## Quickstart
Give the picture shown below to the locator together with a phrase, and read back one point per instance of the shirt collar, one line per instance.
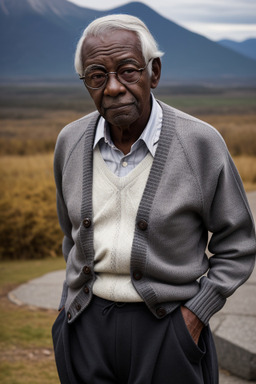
(149, 136)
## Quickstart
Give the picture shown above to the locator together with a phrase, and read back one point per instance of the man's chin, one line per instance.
(120, 117)
(121, 121)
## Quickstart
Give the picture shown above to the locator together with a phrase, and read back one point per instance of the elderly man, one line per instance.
(139, 185)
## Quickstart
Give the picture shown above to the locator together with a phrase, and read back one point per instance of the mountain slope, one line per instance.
(189, 55)
(38, 38)
(246, 47)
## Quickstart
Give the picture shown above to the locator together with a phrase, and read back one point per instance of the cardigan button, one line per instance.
(87, 222)
(86, 289)
(137, 275)
(161, 312)
(78, 307)
(69, 316)
(143, 225)
(86, 270)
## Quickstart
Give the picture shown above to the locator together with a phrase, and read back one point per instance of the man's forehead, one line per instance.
(120, 62)
(114, 35)
(111, 43)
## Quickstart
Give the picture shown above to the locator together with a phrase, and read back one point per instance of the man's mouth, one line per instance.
(117, 106)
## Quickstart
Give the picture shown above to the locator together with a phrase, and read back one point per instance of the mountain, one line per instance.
(38, 39)
(246, 47)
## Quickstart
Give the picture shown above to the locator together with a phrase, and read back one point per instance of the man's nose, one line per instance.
(113, 86)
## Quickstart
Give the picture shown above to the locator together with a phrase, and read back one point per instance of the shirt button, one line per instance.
(142, 224)
(69, 316)
(87, 222)
(86, 270)
(161, 312)
(124, 164)
(86, 289)
(137, 275)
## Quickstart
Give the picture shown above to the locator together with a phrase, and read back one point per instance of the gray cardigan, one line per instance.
(193, 188)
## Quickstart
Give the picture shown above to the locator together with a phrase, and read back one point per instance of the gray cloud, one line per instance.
(237, 18)
(240, 12)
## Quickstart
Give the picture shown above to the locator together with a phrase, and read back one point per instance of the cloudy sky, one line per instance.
(215, 19)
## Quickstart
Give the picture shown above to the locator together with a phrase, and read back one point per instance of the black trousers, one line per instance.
(114, 343)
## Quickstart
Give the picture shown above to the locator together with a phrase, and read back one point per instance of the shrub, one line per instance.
(29, 227)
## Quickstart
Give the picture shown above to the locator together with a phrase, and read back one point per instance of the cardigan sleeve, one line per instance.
(228, 217)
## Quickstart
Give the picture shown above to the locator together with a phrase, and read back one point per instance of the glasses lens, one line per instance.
(128, 75)
(95, 78)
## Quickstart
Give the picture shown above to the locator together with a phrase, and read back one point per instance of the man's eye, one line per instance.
(127, 71)
(97, 76)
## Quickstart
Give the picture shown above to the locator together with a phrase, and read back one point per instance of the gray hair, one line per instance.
(101, 25)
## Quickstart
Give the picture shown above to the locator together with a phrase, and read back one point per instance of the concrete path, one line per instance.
(234, 327)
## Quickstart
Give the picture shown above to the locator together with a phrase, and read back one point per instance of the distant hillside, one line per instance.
(38, 39)
(246, 47)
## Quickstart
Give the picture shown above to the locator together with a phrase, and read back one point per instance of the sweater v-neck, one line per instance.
(167, 131)
(120, 182)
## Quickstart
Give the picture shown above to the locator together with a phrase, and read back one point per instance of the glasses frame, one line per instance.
(140, 70)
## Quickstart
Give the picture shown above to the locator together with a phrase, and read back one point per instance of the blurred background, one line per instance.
(209, 71)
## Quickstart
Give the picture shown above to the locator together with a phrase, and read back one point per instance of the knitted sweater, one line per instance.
(115, 204)
(193, 187)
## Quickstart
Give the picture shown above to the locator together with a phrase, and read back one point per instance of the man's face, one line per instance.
(121, 105)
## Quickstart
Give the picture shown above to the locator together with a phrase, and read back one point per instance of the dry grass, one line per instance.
(246, 166)
(28, 221)
(29, 132)
(238, 130)
(31, 117)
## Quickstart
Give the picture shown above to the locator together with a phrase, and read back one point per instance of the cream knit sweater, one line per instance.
(115, 205)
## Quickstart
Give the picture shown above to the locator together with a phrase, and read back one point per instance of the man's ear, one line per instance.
(156, 72)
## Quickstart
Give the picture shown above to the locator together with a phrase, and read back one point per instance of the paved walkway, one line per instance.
(234, 327)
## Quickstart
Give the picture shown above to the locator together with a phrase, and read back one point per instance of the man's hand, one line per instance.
(193, 323)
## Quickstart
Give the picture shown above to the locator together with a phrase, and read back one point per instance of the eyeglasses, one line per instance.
(95, 76)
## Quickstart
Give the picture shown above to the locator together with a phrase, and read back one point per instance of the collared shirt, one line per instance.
(119, 163)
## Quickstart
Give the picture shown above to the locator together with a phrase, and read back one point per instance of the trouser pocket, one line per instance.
(193, 351)
(202, 358)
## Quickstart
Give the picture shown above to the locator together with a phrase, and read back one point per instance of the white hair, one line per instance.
(101, 25)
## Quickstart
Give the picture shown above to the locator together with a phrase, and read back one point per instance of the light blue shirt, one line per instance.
(116, 161)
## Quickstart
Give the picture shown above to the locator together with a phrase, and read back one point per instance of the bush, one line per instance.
(29, 227)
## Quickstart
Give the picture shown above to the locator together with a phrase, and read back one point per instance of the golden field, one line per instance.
(31, 118)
